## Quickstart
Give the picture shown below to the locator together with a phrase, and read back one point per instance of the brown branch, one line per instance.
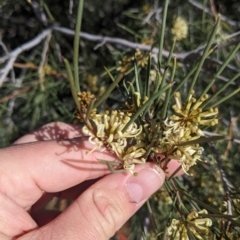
(18, 92)
(12, 56)
(213, 8)
(227, 186)
(208, 11)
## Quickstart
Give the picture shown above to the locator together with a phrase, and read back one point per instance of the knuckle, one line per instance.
(110, 210)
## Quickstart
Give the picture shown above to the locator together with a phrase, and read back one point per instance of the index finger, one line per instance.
(50, 166)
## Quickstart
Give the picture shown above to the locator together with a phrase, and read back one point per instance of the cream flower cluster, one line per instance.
(111, 130)
(127, 62)
(180, 28)
(108, 134)
(184, 126)
(198, 226)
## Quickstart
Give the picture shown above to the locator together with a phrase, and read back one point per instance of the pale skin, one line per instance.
(53, 161)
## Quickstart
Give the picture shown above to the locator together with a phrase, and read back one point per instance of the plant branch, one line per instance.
(12, 56)
(208, 11)
(41, 72)
(211, 134)
(226, 183)
(76, 45)
(123, 42)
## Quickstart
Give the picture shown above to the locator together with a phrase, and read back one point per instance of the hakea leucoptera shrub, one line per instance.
(109, 130)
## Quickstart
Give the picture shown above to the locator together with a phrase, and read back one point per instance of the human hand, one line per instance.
(52, 161)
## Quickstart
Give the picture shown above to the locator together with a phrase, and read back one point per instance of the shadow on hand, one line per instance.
(57, 131)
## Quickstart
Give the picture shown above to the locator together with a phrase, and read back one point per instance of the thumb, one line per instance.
(104, 207)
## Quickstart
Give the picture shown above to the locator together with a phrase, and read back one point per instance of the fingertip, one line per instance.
(148, 180)
(172, 167)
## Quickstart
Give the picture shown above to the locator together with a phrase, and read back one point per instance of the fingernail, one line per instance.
(142, 186)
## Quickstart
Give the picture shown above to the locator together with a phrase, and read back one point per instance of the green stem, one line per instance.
(167, 98)
(145, 105)
(219, 91)
(146, 87)
(108, 91)
(184, 80)
(76, 44)
(225, 98)
(163, 81)
(206, 53)
(138, 83)
(48, 11)
(152, 216)
(229, 58)
(129, 30)
(71, 81)
(166, 2)
(171, 51)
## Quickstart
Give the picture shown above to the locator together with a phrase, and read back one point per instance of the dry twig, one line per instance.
(12, 56)
(208, 11)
